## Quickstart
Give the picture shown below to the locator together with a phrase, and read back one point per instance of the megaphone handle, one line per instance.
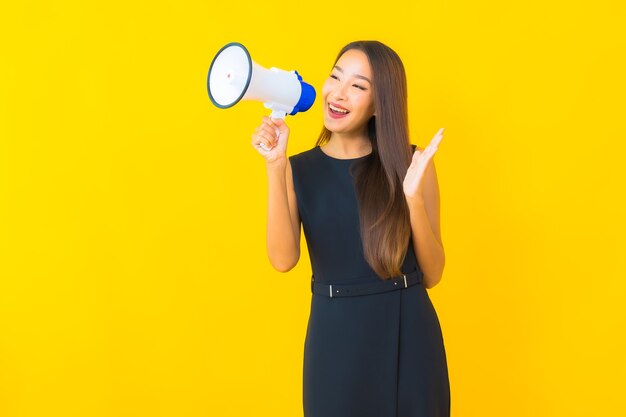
(276, 114)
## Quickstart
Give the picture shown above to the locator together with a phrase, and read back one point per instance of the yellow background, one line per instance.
(134, 277)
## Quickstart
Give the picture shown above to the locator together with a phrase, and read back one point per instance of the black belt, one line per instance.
(351, 290)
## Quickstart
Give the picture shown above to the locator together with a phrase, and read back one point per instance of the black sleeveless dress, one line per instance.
(375, 355)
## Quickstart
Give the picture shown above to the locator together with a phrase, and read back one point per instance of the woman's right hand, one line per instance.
(265, 134)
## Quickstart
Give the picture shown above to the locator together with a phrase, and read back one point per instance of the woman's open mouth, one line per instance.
(336, 112)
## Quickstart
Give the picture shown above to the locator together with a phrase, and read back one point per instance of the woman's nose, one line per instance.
(339, 93)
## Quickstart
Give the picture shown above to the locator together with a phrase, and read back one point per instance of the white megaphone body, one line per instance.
(234, 76)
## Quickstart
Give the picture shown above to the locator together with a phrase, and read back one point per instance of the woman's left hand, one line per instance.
(412, 184)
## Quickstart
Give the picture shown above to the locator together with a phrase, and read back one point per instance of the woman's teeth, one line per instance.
(337, 110)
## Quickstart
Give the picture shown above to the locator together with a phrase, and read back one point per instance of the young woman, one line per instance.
(368, 202)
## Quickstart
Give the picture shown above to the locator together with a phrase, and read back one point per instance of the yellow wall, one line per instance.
(134, 278)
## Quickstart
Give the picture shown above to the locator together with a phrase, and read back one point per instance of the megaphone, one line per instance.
(234, 76)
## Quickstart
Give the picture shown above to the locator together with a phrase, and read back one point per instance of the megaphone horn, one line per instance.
(234, 76)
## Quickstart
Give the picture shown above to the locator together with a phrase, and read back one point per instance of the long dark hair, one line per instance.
(384, 215)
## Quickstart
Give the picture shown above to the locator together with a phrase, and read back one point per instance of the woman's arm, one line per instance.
(283, 220)
(426, 231)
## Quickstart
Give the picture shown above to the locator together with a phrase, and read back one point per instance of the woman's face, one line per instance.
(348, 88)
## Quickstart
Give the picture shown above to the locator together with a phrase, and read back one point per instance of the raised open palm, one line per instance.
(412, 184)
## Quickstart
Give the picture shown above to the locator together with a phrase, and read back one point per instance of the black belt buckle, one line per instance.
(401, 281)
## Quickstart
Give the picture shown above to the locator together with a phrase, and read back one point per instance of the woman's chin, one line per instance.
(332, 128)
(333, 125)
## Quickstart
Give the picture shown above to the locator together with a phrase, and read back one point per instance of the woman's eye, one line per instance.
(334, 76)
(358, 86)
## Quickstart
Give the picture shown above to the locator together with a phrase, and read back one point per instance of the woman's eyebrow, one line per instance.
(356, 75)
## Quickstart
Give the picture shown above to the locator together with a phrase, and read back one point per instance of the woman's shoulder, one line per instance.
(304, 155)
(305, 165)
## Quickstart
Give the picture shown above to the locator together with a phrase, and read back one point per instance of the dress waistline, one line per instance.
(351, 290)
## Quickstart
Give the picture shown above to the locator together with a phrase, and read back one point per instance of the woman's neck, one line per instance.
(348, 146)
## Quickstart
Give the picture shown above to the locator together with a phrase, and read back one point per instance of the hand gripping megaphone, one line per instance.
(234, 76)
